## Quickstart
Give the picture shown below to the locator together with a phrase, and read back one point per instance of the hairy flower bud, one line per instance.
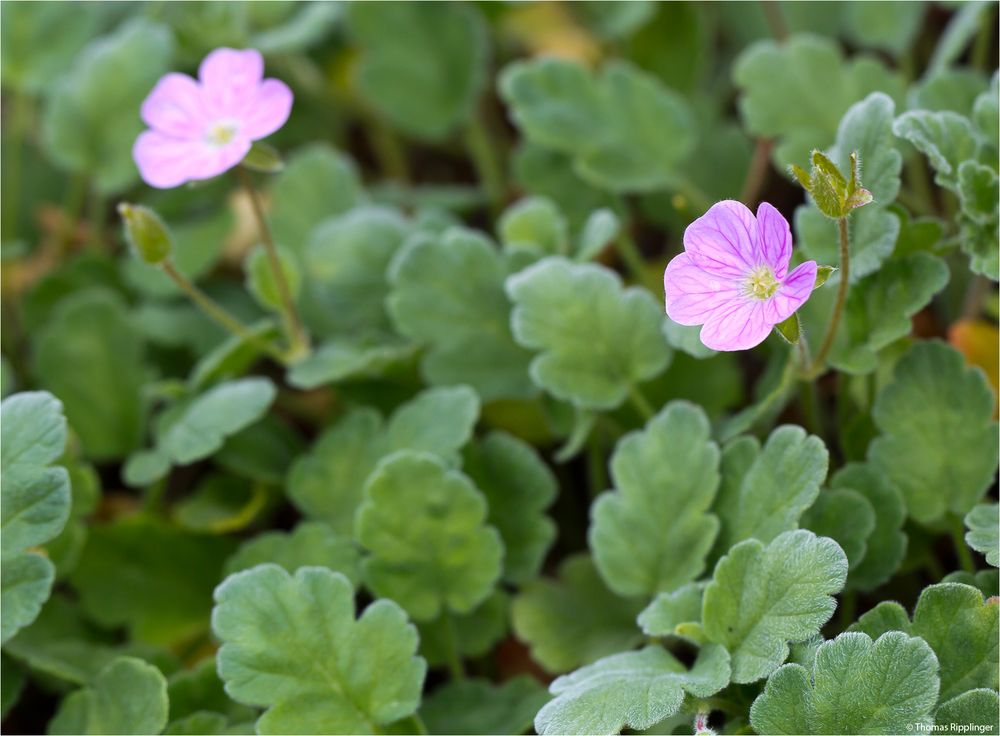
(146, 233)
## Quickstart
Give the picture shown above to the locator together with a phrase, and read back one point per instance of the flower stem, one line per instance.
(838, 308)
(455, 665)
(210, 307)
(631, 256)
(298, 341)
(961, 548)
(487, 163)
(640, 403)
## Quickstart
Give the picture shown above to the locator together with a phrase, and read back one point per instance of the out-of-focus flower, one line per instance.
(199, 129)
(733, 276)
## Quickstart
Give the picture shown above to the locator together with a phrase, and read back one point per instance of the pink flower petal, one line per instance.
(775, 238)
(230, 79)
(724, 240)
(740, 326)
(166, 162)
(175, 107)
(792, 294)
(269, 110)
(693, 294)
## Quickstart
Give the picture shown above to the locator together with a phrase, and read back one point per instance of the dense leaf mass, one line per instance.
(387, 426)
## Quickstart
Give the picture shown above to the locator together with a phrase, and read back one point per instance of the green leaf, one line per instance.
(963, 631)
(790, 329)
(342, 359)
(845, 516)
(261, 281)
(171, 574)
(318, 182)
(534, 223)
(518, 487)
(219, 504)
(886, 545)
(879, 311)
(891, 686)
(90, 335)
(346, 263)
(468, 635)
(91, 120)
(625, 131)
(762, 597)
(333, 673)
(262, 452)
(938, 443)
(986, 581)
(952, 89)
(677, 613)
(196, 428)
(978, 707)
(448, 293)
(480, 707)
(979, 192)
(798, 90)
(263, 157)
(14, 679)
(424, 526)
(199, 690)
(654, 531)
(422, 68)
(597, 340)
(601, 227)
(327, 483)
(574, 620)
(764, 491)
(128, 696)
(946, 138)
(35, 502)
(311, 543)
(40, 42)
(891, 26)
(633, 690)
(983, 523)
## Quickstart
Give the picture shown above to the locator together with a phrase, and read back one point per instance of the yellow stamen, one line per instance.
(761, 283)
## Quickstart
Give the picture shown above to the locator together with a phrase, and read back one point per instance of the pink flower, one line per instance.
(199, 129)
(733, 276)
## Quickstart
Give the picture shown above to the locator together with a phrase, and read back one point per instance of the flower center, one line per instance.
(761, 284)
(221, 133)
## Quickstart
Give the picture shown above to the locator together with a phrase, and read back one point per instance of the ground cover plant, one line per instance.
(496, 368)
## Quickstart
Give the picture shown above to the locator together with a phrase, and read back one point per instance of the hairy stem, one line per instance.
(215, 311)
(484, 156)
(455, 665)
(641, 403)
(961, 548)
(298, 341)
(838, 308)
(631, 256)
(775, 21)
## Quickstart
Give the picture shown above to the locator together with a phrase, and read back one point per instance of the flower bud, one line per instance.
(146, 233)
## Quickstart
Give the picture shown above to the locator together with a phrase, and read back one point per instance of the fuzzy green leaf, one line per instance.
(327, 483)
(625, 131)
(90, 334)
(534, 223)
(128, 696)
(983, 536)
(333, 673)
(471, 634)
(171, 574)
(318, 182)
(424, 527)
(35, 502)
(448, 293)
(422, 68)
(855, 686)
(636, 690)
(845, 516)
(311, 543)
(811, 72)
(91, 120)
(480, 707)
(765, 490)
(979, 707)
(677, 613)
(945, 137)
(654, 531)
(938, 441)
(886, 545)
(574, 620)
(762, 597)
(518, 487)
(595, 339)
